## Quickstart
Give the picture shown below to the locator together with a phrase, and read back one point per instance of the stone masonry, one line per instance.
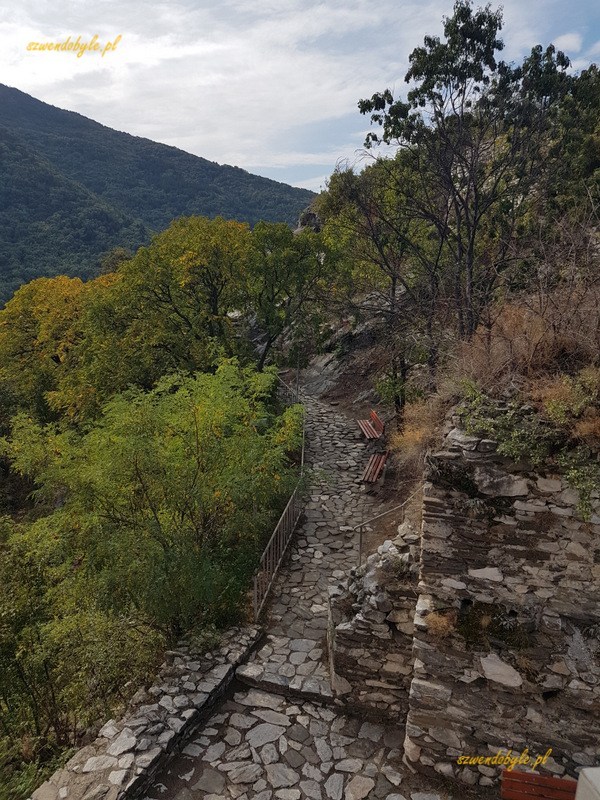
(196, 734)
(127, 753)
(287, 733)
(371, 627)
(507, 622)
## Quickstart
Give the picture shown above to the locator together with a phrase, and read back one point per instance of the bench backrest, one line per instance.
(529, 785)
(377, 423)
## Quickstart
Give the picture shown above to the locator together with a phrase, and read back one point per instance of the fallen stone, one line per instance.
(242, 721)
(273, 717)
(311, 789)
(392, 775)
(211, 781)
(358, 788)
(323, 750)
(302, 645)
(263, 734)
(500, 672)
(334, 786)
(258, 699)
(496, 483)
(232, 737)
(269, 754)
(487, 574)
(97, 763)
(214, 752)
(117, 777)
(192, 750)
(368, 730)
(246, 773)
(349, 765)
(424, 796)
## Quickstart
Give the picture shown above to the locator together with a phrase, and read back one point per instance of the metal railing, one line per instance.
(274, 552)
(360, 528)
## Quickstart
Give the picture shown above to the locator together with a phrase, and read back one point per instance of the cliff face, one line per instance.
(505, 649)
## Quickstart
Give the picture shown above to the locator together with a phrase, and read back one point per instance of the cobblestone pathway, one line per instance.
(324, 549)
(273, 740)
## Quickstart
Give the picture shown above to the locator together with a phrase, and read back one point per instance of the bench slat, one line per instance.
(565, 784)
(368, 429)
(378, 425)
(542, 793)
(526, 785)
(374, 468)
(372, 428)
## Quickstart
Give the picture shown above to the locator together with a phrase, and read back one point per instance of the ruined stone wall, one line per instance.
(371, 628)
(507, 625)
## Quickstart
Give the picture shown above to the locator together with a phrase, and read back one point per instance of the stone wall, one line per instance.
(371, 628)
(507, 624)
(127, 754)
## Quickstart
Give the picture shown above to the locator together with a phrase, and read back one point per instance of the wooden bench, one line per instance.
(529, 785)
(372, 428)
(374, 468)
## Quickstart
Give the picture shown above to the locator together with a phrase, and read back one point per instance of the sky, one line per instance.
(267, 85)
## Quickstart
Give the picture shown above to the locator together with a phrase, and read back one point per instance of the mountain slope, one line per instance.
(148, 180)
(49, 224)
(86, 188)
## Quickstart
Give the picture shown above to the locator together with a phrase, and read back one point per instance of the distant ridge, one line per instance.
(72, 189)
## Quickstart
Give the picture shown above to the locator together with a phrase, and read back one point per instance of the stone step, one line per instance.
(300, 687)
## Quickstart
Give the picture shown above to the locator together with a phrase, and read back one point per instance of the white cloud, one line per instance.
(594, 50)
(569, 42)
(245, 82)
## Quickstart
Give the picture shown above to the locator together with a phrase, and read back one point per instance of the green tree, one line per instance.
(164, 501)
(286, 274)
(475, 130)
(148, 524)
(171, 307)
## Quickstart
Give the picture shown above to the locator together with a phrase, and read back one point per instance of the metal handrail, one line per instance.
(366, 522)
(293, 392)
(276, 547)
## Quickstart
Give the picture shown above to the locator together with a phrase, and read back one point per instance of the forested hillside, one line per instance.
(85, 189)
(144, 452)
(50, 223)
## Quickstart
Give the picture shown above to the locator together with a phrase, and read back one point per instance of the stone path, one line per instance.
(325, 549)
(262, 746)
(283, 740)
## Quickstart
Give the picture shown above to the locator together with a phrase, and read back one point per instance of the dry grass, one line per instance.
(422, 421)
(588, 429)
(440, 625)
(538, 334)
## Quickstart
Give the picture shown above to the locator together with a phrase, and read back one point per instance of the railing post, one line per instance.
(360, 545)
